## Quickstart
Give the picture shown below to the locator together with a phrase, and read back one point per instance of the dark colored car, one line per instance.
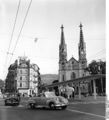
(14, 101)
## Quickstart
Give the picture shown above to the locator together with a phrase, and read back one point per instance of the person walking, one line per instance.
(73, 92)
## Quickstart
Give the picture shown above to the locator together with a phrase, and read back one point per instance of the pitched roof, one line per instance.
(72, 58)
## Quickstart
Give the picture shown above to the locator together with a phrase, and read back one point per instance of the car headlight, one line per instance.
(65, 101)
(57, 100)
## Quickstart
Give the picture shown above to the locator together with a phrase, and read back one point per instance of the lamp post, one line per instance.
(100, 71)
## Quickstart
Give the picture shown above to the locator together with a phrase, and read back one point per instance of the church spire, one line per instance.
(81, 37)
(62, 36)
(82, 49)
(62, 47)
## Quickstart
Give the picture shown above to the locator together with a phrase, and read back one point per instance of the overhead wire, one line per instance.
(7, 53)
(98, 53)
(20, 30)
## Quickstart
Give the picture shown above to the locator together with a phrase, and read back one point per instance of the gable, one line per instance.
(72, 64)
(73, 61)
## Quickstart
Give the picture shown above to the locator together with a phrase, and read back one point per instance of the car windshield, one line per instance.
(49, 94)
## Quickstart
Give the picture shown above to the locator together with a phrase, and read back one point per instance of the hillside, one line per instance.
(48, 78)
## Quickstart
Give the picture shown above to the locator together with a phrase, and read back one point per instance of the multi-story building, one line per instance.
(23, 75)
(34, 79)
(71, 69)
(26, 78)
(11, 79)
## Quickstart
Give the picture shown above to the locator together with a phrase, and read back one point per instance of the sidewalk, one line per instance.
(88, 99)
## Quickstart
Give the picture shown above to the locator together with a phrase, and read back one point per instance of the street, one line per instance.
(75, 111)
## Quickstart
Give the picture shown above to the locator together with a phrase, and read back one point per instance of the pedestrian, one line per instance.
(73, 92)
(18, 95)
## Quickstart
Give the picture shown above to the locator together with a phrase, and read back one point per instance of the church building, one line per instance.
(72, 68)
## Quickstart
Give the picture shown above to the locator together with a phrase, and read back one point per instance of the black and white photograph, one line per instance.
(53, 60)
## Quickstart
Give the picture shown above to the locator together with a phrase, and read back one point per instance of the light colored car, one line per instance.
(1, 96)
(48, 99)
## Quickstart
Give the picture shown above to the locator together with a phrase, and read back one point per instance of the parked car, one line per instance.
(12, 100)
(48, 99)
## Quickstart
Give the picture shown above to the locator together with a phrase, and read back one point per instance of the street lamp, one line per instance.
(100, 71)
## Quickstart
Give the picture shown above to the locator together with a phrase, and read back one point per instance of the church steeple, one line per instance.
(62, 48)
(62, 36)
(82, 48)
(81, 37)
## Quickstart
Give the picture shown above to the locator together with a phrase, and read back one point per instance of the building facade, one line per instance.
(11, 79)
(25, 77)
(72, 68)
(34, 79)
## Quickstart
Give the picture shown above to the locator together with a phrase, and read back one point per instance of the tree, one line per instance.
(98, 68)
(102, 67)
(93, 68)
(2, 85)
(56, 87)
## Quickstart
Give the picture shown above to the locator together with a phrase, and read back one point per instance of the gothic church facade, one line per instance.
(72, 68)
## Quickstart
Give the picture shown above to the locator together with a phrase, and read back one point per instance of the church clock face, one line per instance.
(63, 65)
(82, 52)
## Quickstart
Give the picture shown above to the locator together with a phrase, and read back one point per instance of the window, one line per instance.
(63, 78)
(20, 84)
(20, 78)
(20, 71)
(73, 75)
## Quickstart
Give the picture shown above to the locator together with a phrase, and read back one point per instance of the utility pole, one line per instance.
(100, 69)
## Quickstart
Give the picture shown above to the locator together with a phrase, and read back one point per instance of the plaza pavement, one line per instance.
(88, 99)
(76, 100)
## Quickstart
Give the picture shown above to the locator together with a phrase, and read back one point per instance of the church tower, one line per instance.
(82, 52)
(62, 57)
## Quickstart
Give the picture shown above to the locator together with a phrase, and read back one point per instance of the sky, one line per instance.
(43, 23)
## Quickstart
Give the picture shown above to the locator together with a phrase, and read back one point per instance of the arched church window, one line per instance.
(63, 78)
(73, 75)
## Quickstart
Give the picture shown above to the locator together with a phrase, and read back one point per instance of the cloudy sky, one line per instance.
(43, 23)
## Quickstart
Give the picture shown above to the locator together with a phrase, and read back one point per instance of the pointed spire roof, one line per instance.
(62, 36)
(81, 36)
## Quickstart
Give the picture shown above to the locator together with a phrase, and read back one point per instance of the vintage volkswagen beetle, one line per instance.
(48, 99)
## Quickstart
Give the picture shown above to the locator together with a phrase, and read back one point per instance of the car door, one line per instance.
(38, 100)
(42, 101)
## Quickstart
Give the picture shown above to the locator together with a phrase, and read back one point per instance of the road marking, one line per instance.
(96, 102)
(86, 113)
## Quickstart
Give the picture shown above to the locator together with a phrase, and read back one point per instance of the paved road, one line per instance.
(80, 111)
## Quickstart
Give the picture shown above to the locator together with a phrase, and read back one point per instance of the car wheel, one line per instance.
(63, 107)
(6, 104)
(16, 104)
(32, 106)
(52, 105)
